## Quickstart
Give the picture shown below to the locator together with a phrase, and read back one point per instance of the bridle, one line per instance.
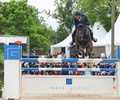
(81, 31)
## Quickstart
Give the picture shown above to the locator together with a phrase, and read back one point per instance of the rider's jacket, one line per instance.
(83, 20)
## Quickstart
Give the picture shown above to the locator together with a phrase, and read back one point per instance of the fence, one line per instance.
(16, 85)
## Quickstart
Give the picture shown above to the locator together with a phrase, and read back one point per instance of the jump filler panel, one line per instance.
(12, 52)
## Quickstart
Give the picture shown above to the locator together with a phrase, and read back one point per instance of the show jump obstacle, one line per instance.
(17, 85)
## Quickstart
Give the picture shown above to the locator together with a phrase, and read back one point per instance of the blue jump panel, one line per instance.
(109, 60)
(30, 59)
(70, 60)
(107, 69)
(69, 69)
(30, 69)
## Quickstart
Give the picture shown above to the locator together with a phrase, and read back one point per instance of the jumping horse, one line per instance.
(83, 42)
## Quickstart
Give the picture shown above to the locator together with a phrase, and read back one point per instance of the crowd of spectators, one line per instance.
(69, 65)
(57, 55)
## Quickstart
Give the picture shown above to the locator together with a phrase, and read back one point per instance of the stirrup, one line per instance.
(71, 43)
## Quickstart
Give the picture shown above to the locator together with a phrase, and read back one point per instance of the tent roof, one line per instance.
(65, 42)
(99, 32)
(107, 38)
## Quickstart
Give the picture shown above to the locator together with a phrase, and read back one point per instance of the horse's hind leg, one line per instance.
(77, 47)
(87, 50)
(89, 55)
(83, 54)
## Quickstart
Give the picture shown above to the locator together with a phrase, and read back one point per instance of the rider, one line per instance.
(81, 19)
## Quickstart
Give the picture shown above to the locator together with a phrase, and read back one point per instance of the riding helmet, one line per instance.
(77, 13)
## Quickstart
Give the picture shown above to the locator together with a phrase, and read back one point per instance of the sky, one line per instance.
(41, 5)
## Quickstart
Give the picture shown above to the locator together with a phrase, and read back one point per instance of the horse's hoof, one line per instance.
(79, 56)
(86, 57)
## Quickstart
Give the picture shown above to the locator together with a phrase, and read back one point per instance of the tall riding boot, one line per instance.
(95, 40)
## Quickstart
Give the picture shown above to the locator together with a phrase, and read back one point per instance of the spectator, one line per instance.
(69, 65)
(49, 56)
(112, 73)
(63, 55)
(31, 65)
(64, 65)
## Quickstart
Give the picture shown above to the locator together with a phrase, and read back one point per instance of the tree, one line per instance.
(1, 66)
(98, 10)
(19, 18)
(64, 13)
(61, 33)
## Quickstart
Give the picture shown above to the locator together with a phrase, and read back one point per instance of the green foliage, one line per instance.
(98, 10)
(1, 58)
(118, 3)
(1, 66)
(64, 13)
(39, 41)
(61, 33)
(0, 84)
(19, 18)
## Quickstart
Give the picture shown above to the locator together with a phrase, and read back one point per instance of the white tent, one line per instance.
(65, 43)
(99, 33)
(107, 39)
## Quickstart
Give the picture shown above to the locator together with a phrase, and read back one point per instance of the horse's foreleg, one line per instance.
(78, 49)
(86, 52)
(87, 49)
(83, 54)
(77, 46)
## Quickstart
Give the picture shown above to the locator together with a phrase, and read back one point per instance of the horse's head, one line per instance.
(81, 31)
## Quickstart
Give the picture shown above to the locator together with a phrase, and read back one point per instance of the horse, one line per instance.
(83, 41)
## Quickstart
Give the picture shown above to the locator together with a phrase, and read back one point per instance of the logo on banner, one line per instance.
(69, 81)
(12, 52)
